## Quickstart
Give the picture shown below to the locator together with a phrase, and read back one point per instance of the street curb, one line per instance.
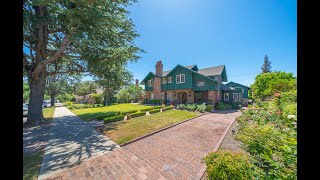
(154, 132)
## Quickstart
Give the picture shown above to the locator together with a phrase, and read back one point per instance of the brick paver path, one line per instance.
(70, 141)
(175, 153)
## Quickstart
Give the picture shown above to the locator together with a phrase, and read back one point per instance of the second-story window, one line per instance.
(180, 78)
(164, 81)
(170, 79)
(150, 82)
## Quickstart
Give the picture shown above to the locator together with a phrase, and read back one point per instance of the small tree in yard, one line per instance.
(79, 33)
(266, 67)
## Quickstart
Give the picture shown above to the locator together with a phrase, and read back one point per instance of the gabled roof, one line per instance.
(232, 84)
(212, 71)
(226, 88)
(149, 74)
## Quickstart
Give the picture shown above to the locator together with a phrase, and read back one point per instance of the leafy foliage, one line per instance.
(146, 109)
(167, 108)
(128, 112)
(130, 93)
(26, 92)
(137, 114)
(109, 114)
(223, 106)
(98, 98)
(228, 165)
(192, 107)
(267, 84)
(209, 108)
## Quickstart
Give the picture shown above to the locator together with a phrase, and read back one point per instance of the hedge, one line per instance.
(146, 109)
(154, 111)
(110, 114)
(128, 112)
(113, 119)
(157, 107)
(136, 114)
(167, 108)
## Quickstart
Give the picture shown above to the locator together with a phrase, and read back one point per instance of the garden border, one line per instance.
(154, 132)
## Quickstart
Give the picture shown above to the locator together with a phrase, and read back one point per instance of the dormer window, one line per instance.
(150, 82)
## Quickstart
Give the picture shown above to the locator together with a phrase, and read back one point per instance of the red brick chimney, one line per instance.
(159, 68)
(137, 82)
(157, 81)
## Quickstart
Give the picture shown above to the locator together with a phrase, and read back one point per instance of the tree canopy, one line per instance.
(78, 34)
(265, 85)
(266, 67)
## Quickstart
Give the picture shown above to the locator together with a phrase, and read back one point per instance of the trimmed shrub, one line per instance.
(69, 103)
(209, 108)
(113, 119)
(111, 114)
(230, 165)
(98, 98)
(167, 108)
(128, 112)
(137, 114)
(155, 101)
(154, 111)
(157, 107)
(181, 106)
(223, 106)
(146, 109)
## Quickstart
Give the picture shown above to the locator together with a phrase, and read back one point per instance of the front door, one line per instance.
(184, 98)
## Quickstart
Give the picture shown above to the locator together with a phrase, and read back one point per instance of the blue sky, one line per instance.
(236, 33)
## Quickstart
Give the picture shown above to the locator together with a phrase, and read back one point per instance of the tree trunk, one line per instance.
(35, 116)
(53, 97)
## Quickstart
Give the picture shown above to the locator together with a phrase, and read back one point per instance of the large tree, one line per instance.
(267, 84)
(112, 78)
(77, 32)
(266, 67)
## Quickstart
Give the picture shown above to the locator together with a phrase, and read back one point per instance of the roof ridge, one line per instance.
(213, 66)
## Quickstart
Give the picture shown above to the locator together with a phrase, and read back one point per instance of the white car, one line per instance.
(25, 109)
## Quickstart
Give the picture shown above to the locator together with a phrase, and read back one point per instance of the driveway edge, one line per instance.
(219, 143)
(154, 132)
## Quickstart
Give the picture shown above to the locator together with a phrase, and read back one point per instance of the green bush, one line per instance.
(274, 150)
(113, 119)
(146, 109)
(109, 114)
(98, 98)
(288, 97)
(154, 111)
(290, 109)
(209, 108)
(128, 112)
(167, 108)
(156, 101)
(137, 114)
(223, 106)
(157, 107)
(223, 165)
(201, 108)
(69, 103)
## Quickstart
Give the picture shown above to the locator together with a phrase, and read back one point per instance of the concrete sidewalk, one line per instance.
(70, 141)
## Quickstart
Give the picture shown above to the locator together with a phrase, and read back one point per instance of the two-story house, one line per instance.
(189, 84)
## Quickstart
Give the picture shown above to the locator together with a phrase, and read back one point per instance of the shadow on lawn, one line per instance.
(70, 141)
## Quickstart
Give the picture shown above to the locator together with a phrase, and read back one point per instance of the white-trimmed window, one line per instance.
(240, 97)
(170, 79)
(151, 96)
(235, 97)
(164, 81)
(226, 96)
(180, 78)
(201, 83)
(150, 82)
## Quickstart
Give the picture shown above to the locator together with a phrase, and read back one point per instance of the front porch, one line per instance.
(190, 96)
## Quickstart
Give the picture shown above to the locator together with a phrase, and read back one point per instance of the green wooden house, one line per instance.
(189, 84)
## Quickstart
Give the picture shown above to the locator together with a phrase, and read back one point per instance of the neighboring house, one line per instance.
(187, 84)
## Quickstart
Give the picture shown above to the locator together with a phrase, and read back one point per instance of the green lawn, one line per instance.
(48, 113)
(31, 165)
(92, 113)
(124, 131)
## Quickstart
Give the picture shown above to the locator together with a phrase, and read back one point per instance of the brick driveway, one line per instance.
(175, 153)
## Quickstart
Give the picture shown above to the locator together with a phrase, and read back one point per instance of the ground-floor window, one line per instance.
(151, 96)
(226, 96)
(235, 97)
(240, 97)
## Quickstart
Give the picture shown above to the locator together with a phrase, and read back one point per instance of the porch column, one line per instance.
(190, 98)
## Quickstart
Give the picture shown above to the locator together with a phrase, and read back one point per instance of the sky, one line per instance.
(234, 33)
